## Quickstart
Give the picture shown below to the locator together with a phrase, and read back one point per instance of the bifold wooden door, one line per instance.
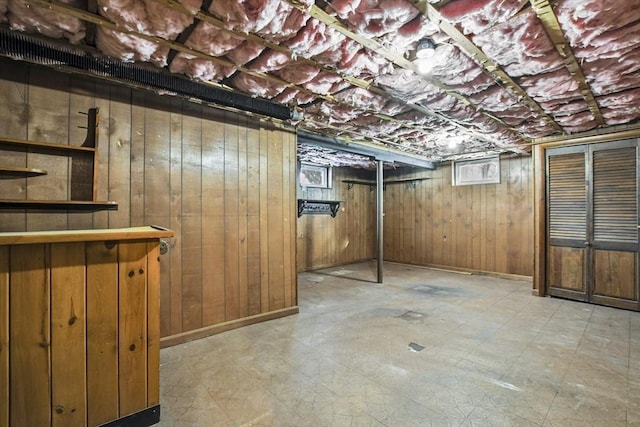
(592, 223)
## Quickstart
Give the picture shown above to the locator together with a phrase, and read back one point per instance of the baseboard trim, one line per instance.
(462, 270)
(146, 417)
(535, 292)
(226, 326)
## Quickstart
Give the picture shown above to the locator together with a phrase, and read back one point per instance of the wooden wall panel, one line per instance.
(225, 183)
(4, 336)
(350, 236)
(132, 337)
(30, 337)
(68, 334)
(14, 111)
(102, 332)
(477, 227)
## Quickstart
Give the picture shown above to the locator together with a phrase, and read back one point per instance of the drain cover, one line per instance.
(415, 347)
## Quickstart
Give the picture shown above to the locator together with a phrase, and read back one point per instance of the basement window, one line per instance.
(314, 176)
(479, 171)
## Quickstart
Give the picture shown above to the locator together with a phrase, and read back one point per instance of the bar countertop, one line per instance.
(131, 233)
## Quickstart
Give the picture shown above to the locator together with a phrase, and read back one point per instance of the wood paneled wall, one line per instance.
(81, 320)
(226, 183)
(350, 236)
(478, 227)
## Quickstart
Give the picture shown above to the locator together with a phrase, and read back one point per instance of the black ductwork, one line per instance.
(26, 47)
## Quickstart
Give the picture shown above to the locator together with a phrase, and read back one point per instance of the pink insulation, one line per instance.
(270, 60)
(583, 21)
(414, 30)
(362, 98)
(340, 53)
(198, 68)
(245, 52)
(298, 73)
(285, 24)
(475, 16)
(319, 62)
(212, 40)
(614, 74)
(245, 15)
(520, 46)
(313, 39)
(34, 19)
(147, 17)
(130, 48)
(325, 83)
(366, 64)
(495, 98)
(452, 67)
(374, 18)
(556, 85)
(620, 107)
(257, 86)
(406, 85)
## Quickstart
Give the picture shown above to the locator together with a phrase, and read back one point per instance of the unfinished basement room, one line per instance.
(319, 213)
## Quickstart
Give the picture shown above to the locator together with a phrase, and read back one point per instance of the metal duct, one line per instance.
(26, 47)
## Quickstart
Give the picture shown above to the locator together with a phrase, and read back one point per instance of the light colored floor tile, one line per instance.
(492, 355)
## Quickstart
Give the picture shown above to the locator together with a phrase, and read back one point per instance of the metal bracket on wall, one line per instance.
(318, 207)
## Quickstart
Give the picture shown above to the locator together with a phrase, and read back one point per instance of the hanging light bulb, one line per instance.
(425, 49)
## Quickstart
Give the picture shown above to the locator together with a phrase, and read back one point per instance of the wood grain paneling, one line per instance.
(566, 268)
(132, 337)
(478, 227)
(68, 334)
(223, 181)
(350, 236)
(102, 332)
(615, 274)
(30, 337)
(4, 336)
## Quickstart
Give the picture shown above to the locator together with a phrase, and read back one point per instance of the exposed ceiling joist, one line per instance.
(397, 59)
(489, 65)
(551, 25)
(179, 47)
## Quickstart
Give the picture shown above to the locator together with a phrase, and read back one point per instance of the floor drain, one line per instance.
(415, 347)
(411, 315)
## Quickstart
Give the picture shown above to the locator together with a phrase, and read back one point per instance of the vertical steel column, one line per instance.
(379, 215)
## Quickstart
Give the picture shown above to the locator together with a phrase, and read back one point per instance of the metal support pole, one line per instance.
(379, 215)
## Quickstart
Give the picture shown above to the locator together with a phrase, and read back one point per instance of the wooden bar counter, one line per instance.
(80, 327)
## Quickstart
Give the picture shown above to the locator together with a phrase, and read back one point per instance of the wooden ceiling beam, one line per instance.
(551, 25)
(498, 74)
(397, 59)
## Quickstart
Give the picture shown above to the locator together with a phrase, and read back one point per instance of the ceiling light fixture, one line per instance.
(425, 49)
(422, 56)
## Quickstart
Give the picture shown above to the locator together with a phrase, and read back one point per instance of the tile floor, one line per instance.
(493, 355)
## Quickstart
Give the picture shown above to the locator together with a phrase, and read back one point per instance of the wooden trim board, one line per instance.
(226, 326)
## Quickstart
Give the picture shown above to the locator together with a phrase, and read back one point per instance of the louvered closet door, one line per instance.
(592, 223)
(614, 275)
(567, 223)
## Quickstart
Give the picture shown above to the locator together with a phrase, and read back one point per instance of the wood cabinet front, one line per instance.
(79, 332)
(592, 222)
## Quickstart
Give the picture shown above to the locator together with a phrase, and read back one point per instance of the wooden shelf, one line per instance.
(132, 233)
(16, 172)
(322, 207)
(44, 145)
(67, 205)
(82, 174)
